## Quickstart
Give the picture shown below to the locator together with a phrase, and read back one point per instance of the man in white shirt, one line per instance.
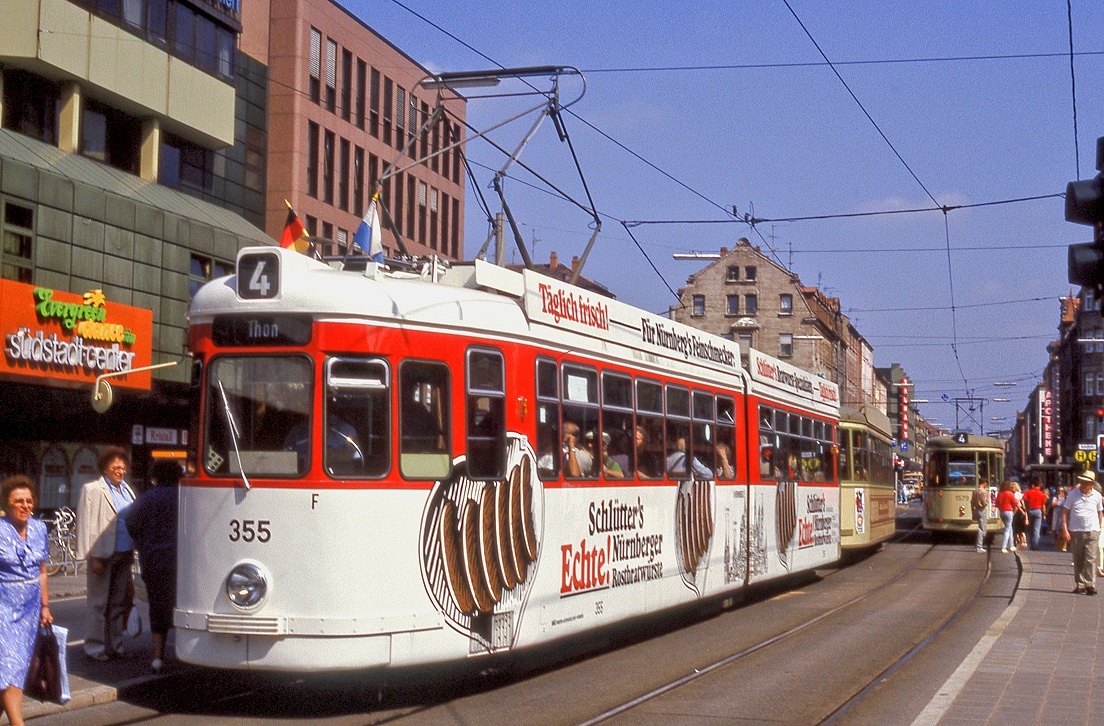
(1082, 516)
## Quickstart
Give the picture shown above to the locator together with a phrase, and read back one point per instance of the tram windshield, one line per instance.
(962, 468)
(258, 416)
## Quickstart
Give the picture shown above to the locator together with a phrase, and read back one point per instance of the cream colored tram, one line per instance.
(868, 503)
(952, 467)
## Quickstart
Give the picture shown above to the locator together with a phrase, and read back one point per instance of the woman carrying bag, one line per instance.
(24, 597)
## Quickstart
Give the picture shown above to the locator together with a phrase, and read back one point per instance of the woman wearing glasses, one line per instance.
(24, 598)
(103, 540)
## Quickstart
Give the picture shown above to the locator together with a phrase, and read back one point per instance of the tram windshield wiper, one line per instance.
(233, 434)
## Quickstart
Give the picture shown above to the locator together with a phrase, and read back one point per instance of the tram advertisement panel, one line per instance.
(793, 527)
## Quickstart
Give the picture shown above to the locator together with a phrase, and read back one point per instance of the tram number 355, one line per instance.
(248, 530)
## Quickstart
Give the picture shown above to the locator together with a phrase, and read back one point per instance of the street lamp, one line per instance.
(1002, 400)
(1005, 384)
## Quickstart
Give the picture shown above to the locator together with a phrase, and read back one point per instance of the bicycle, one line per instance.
(61, 544)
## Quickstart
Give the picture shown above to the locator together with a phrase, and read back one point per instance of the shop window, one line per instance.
(388, 99)
(374, 104)
(331, 75)
(312, 159)
(203, 269)
(346, 84)
(206, 50)
(315, 65)
(17, 258)
(110, 136)
(255, 143)
(31, 106)
(361, 81)
(343, 178)
(358, 181)
(184, 32)
(328, 167)
(183, 164)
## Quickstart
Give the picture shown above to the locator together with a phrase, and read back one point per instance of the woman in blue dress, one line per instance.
(24, 597)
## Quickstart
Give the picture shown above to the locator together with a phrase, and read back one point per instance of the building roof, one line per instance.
(48, 158)
(555, 270)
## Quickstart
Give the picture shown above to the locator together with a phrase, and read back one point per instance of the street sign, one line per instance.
(904, 446)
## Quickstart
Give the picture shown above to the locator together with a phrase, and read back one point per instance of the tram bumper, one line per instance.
(285, 644)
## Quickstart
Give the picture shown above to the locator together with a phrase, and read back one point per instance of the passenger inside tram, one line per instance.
(676, 463)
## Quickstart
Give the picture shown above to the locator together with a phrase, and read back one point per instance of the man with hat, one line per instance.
(1082, 516)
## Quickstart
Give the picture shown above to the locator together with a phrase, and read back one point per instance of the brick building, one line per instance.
(747, 297)
(344, 105)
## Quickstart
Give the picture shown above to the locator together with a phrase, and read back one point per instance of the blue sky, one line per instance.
(789, 141)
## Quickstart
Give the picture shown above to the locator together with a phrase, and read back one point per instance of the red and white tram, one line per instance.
(399, 468)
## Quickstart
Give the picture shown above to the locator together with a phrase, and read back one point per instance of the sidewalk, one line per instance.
(90, 682)
(1042, 661)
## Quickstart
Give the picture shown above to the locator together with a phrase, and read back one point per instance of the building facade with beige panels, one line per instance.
(122, 190)
(345, 105)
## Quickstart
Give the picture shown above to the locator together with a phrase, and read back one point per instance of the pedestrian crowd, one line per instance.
(1074, 517)
(111, 524)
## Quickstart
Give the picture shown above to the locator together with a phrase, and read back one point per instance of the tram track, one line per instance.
(744, 653)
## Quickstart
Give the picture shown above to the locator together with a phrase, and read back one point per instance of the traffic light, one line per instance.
(1085, 205)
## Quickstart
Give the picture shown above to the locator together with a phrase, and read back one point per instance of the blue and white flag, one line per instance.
(368, 236)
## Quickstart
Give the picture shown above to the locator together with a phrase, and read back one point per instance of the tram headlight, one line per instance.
(246, 585)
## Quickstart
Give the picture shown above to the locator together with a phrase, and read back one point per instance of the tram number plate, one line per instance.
(259, 276)
(249, 530)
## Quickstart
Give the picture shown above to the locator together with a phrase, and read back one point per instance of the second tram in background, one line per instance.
(952, 467)
(868, 498)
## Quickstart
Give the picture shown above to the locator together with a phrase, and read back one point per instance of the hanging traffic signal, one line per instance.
(1085, 205)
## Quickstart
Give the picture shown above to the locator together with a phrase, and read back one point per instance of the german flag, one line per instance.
(295, 234)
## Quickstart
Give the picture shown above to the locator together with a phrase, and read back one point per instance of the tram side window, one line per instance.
(486, 415)
(424, 420)
(677, 448)
(768, 444)
(617, 426)
(580, 422)
(358, 418)
(258, 416)
(935, 469)
(724, 462)
(845, 455)
(649, 429)
(548, 420)
(703, 449)
(830, 453)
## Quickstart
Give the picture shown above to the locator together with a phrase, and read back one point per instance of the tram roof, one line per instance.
(972, 442)
(481, 298)
(868, 416)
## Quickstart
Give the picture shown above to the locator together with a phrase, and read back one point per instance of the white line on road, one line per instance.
(948, 692)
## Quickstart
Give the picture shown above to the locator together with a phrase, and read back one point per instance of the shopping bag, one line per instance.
(134, 623)
(47, 678)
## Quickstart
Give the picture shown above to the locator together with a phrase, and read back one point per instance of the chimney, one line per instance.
(724, 251)
(553, 261)
(575, 263)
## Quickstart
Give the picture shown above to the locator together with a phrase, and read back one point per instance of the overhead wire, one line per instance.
(821, 64)
(946, 224)
(1073, 89)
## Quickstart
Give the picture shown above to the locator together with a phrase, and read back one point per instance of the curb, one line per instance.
(95, 695)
